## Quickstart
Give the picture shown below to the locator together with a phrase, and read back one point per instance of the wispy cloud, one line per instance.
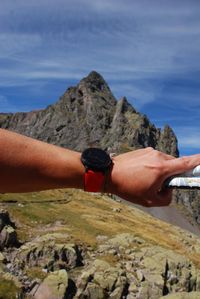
(146, 51)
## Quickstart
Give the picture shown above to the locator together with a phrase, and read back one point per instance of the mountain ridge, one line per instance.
(88, 114)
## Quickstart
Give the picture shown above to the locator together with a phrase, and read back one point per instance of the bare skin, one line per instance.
(28, 165)
(139, 176)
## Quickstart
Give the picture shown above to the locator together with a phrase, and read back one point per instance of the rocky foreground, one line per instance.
(111, 251)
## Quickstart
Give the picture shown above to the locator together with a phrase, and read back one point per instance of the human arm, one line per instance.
(29, 165)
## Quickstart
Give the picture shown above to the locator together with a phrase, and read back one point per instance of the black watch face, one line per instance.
(96, 159)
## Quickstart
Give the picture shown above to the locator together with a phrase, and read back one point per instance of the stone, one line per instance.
(117, 293)
(116, 210)
(48, 255)
(2, 258)
(101, 238)
(182, 295)
(140, 275)
(106, 280)
(5, 219)
(8, 237)
(85, 277)
(54, 286)
(94, 291)
(125, 240)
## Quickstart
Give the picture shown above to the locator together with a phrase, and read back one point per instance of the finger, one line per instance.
(183, 164)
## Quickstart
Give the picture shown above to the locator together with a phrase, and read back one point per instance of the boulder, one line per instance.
(54, 286)
(102, 278)
(8, 237)
(5, 219)
(48, 255)
(93, 291)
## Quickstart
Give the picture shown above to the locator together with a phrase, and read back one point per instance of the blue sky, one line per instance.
(147, 51)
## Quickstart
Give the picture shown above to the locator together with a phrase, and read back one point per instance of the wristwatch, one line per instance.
(97, 163)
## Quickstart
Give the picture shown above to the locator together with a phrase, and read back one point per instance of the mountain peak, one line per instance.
(89, 114)
(94, 82)
(94, 77)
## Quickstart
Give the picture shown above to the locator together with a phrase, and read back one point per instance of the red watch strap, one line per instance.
(93, 181)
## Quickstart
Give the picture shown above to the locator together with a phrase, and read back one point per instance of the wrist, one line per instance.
(97, 164)
(110, 180)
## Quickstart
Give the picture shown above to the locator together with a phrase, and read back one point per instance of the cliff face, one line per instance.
(89, 115)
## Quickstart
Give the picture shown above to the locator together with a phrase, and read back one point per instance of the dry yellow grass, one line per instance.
(84, 216)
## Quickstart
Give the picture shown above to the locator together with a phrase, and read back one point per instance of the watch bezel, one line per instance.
(96, 159)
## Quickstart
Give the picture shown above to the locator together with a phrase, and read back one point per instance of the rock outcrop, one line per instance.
(124, 266)
(54, 286)
(8, 235)
(89, 114)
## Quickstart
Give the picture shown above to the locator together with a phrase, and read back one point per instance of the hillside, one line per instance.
(97, 247)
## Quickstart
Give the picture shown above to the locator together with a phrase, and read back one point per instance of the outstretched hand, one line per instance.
(139, 176)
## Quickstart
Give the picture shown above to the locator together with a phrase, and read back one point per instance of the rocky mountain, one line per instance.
(89, 115)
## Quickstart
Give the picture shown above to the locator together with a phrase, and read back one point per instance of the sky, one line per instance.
(147, 51)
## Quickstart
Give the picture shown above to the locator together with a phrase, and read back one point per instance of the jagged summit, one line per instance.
(89, 90)
(89, 114)
(94, 78)
(94, 82)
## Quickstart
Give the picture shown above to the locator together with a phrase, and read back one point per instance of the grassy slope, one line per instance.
(84, 216)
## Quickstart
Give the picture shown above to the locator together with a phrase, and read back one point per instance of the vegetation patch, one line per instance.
(8, 289)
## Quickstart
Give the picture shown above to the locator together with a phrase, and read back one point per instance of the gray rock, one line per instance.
(93, 291)
(117, 293)
(2, 257)
(125, 240)
(5, 219)
(8, 237)
(182, 295)
(49, 255)
(140, 275)
(117, 210)
(54, 286)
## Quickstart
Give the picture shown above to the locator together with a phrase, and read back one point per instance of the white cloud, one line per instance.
(138, 47)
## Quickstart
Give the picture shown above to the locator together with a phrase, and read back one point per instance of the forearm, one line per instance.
(29, 165)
